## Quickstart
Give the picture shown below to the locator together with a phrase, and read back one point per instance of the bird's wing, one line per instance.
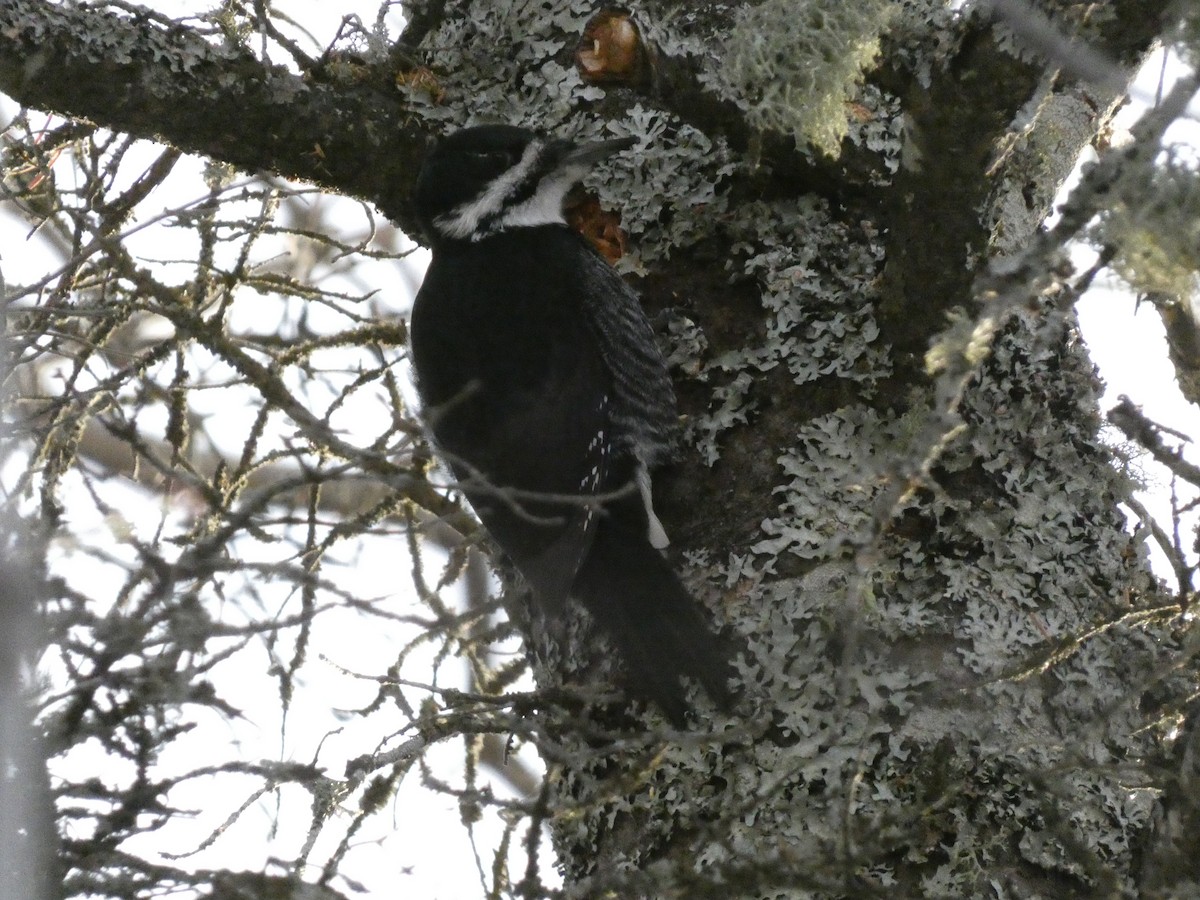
(518, 397)
(643, 401)
(531, 489)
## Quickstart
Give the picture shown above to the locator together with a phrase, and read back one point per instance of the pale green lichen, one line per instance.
(878, 125)
(817, 285)
(1154, 226)
(794, 65)
(987, 604)
(667, 189)
(922, 37)
(1013, 547)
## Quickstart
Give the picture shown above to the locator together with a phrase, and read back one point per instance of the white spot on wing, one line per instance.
(597, 447)
(655, 531)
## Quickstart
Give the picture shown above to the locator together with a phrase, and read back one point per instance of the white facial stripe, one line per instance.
(464, 220)
(545, 207)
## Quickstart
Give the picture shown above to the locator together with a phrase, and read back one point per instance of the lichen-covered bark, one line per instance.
(949, 684)
(954, 657)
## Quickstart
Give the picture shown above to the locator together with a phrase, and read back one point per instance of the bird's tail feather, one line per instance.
(659, 629)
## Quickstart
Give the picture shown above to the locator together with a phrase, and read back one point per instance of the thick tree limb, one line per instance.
(136, 76)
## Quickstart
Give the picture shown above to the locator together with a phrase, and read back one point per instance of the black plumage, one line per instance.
(546, 393)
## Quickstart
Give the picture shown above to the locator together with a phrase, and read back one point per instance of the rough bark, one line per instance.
(29, 866)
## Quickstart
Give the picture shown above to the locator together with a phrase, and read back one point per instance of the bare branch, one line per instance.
(1142, 431)
(135, 75)
(1075, 58)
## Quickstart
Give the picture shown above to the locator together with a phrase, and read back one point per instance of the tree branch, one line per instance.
(134, 75)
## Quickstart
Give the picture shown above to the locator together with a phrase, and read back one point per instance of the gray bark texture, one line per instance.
(28, 844)
(961, 679)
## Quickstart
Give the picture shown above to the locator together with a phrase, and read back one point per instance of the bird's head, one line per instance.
(485, 179)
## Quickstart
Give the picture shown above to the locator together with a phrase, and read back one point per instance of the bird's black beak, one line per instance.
(592, 152)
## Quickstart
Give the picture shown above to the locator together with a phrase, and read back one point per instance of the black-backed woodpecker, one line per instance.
(548, 397)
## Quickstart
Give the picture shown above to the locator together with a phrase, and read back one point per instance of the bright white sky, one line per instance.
(1128, 343)
(419, 848)
(422, 849)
